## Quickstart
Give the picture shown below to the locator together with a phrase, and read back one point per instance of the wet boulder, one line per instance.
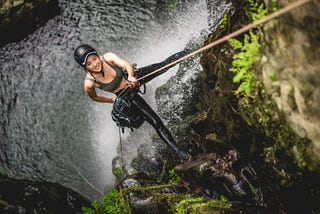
(23, 196)
(215, 175)
(150, 157)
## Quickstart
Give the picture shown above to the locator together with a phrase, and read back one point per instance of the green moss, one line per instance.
(274, 4)
(177, 203)
(163, 172)
(152, 188)
(111, 203)
(173, 177)
(223, 21)
(118, 171)
(173, 4)
(273, 76)
(274, 42)
(171, 200)
(3, 203)
(259, 112)
(307, 90)
(167, 176)
(190, 204)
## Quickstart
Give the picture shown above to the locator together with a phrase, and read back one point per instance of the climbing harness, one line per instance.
(123, 113)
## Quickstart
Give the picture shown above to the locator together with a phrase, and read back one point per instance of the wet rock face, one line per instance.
(291, 69)
(21, 17)
(215, 175)
(150, 157)
(22, 196)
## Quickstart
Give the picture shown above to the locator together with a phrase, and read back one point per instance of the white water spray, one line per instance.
(155, 45)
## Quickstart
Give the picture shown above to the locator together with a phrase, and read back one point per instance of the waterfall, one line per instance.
(48, 124)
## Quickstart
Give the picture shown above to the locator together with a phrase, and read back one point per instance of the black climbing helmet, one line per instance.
(82, 52)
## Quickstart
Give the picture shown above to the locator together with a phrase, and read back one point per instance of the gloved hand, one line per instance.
(132, 82)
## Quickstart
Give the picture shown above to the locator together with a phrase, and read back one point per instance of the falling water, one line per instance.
(50, 129)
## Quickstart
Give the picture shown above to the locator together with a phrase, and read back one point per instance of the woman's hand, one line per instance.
(132, 81)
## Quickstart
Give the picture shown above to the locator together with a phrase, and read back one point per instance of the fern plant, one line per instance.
(248, 52)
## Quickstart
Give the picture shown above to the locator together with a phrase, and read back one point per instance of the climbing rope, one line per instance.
(82, 176)
(234, 34)
(120, 142)
(67, 158)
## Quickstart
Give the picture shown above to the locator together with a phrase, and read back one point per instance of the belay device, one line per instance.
(124, 112)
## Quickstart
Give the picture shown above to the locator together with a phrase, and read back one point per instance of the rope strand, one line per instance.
(120, 141)
(82, 176)
(67, 159)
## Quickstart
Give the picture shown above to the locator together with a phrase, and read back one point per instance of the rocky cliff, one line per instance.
(23, 196)
(268, 111)
(290, 71)
(21, 17)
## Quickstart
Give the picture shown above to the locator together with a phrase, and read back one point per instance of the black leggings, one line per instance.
(150, 116)
(150, 68)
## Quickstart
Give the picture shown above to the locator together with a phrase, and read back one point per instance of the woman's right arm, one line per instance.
(91, 92)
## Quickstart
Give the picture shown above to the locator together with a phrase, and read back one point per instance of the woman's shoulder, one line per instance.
(109, 56)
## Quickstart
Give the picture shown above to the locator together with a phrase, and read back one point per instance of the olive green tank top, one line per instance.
(114, 84)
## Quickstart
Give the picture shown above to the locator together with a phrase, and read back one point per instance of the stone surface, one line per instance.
(23, 196)
(256, 125)
(291, 69)
(21, 17)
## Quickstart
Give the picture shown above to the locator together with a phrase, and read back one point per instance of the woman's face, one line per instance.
(93, 63)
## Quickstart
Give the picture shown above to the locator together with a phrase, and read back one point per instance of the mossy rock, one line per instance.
(20, 18)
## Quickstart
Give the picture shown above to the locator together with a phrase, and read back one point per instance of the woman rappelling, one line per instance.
(111, 73)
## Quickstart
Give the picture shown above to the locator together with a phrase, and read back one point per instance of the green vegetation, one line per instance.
(244, 60)
(116, 202)
(118, 171)
(257, 11)
(168, 176)
(223, 21)
(274, 5)
(111, 203)
(190, 204)
(248, 52)
(3, 203)
(174, 178)
(173, 4)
